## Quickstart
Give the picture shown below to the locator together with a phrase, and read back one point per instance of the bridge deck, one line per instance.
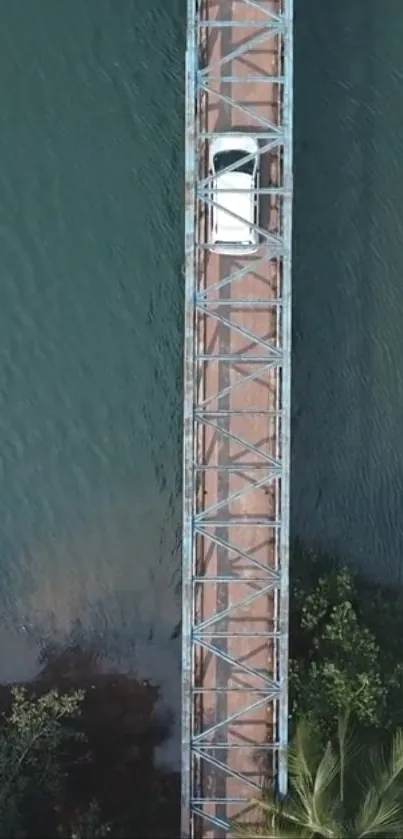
(237, 417)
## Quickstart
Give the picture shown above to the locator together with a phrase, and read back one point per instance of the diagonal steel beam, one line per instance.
(237, 664)
(206, 817)
(249, 157)
(228, 100)
(272, 461)
(241, 554)
(226, 613)
(275, 242)
(226, 502)
(204, 735)
(234, 275)
(254, 4)
(230, 772)
(275, 352)
(243, 48)
(256, 374)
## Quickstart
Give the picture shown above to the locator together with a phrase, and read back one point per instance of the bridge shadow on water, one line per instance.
(348, 289)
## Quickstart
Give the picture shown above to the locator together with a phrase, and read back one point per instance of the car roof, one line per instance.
(227, 228)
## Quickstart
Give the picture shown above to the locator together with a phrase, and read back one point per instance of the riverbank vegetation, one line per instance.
(77, 755)
(336, 791)
(346, 646)
(77, 746)
(346, 663)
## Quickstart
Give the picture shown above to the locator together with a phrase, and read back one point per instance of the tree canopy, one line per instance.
(32, 738)
(77, 755)
(345, 645)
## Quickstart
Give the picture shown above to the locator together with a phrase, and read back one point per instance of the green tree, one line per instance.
(335, 792)
(344, 644)
(338, 662)
(79, 761)
(32, 736)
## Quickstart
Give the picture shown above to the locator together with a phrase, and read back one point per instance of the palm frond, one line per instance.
(348, 749)
(395, 768)
(379, 816)
(313, 798)
(323, 793)
(303, 756)
(383, 774)
(271, 826)
(303, 760)
(297, 819)
(322, 802)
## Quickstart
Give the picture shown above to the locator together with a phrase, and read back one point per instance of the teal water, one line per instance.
(91, 242)
(348, 282)
(91, 143)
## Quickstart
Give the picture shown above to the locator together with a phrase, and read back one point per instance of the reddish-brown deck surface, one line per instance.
(257, 727)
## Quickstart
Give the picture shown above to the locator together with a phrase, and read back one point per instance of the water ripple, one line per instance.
(91, 248)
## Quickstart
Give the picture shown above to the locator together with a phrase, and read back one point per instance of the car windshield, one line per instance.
(227, 158)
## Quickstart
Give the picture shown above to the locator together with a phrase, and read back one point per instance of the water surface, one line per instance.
(91, 136)
(348, 281)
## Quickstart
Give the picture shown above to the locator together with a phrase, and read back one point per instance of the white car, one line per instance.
(234, 209)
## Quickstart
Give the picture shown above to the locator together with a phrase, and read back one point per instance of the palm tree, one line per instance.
(335, 793)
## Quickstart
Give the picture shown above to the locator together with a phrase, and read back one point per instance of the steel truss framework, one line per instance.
(223, 448)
